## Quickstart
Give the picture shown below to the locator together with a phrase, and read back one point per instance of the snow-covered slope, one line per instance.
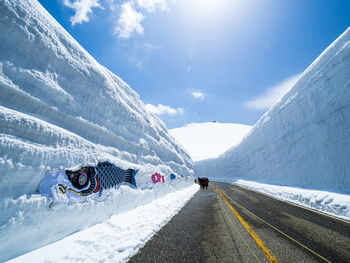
(118, 238)
(60, 108)
(304, 139)
(209, 139)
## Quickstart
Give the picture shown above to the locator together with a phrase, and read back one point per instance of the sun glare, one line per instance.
(208, 9)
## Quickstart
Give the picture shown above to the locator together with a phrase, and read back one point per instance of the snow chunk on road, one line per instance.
(116, 239)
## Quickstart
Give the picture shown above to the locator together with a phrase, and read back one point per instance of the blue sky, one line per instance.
(204, 60)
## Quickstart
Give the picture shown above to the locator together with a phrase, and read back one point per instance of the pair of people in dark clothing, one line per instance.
(203, 182)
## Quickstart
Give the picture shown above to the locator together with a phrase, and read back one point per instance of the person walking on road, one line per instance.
(206, 182)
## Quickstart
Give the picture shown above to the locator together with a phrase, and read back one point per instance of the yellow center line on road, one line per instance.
(279, 231)
(235, 226)
(257, 239)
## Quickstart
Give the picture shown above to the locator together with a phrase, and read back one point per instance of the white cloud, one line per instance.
(198, 95)
(82, 9)
(132, 15)
(129, 21)
(112, 4)
(272, 94)
(162, 109)
(153, 5)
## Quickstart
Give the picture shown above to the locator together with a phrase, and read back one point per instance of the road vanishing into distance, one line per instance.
(228, 223)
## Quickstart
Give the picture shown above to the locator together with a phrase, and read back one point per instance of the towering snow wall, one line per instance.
(60, 108)
(304, 139)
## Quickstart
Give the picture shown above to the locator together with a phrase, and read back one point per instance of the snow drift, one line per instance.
(303, 140)
(116, 239)
(60, 109)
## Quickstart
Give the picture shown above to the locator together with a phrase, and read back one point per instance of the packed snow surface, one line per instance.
(303, 141)
(327, 202)
(116, 239)
(61, 109)
(209, 139)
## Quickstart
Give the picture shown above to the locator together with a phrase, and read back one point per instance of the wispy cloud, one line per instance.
(272, 94)
(132, 15)
(129, 21)
(140, 53)
(149, 48)
(139, 65)
(198, 95)
(162, 109)
(82, 9)
(153, 5)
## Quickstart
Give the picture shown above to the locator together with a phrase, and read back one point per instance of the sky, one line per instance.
(205, 60)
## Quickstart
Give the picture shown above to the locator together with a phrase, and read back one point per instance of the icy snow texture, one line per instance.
(304, 139)
(59, 109)
(117, 239)
(209, 139)
(327, 202)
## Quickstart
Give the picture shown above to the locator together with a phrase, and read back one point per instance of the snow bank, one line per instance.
(303, 140)
(117, 239)
(328, 202)
(209, 139)
(60, 109)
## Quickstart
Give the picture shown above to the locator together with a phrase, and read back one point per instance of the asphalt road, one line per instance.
(240, 225)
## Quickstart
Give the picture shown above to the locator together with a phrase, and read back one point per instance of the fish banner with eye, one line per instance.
(86, 182)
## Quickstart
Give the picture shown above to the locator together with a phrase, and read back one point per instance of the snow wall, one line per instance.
(304, 139)
(59, 109)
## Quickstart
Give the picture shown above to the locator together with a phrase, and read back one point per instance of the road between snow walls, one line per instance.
(61, 110)
(299, 149)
